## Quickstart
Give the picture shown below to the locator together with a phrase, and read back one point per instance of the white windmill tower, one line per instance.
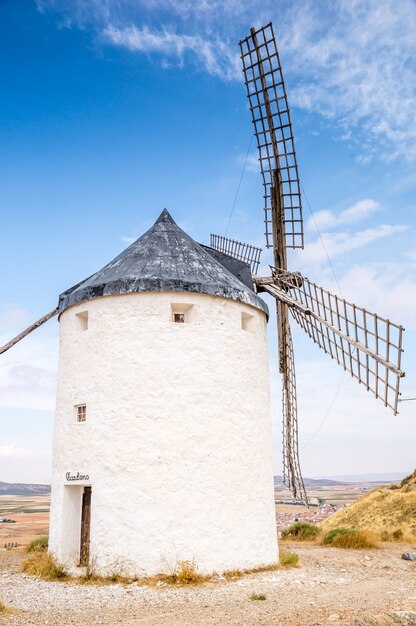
(162, 446)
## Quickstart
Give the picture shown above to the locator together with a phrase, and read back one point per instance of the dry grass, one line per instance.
(386, 511)
(186, 573)
(258, 596)
(351, 538)
(40, 544)
(233, 574)
(288, 559)
(44, 566)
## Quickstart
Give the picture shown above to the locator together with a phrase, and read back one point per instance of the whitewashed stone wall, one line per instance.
(177, 443)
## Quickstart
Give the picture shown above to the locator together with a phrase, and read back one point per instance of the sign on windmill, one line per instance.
(162, 446)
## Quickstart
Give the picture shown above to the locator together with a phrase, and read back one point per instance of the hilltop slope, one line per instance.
(23, 489)
(385, 510)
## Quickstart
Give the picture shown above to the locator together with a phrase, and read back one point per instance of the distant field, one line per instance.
(337, 494)
(32, 518)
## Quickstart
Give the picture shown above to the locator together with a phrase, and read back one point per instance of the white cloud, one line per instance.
(352, 61)
(338, 243)
(13, 451)
(213, 56)
(355, 63)
(251, 162)
(28, 370)
(357, 212)
(388, 288)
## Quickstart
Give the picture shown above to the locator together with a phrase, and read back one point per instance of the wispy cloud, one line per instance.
(128, 240)
(355, 213)
(13, 451)
(352, 61)
(251, 162)
(355, 62)
(213, 56)
(28, 370)
(335, 244)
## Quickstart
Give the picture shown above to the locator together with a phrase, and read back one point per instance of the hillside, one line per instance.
(385, 510)
(23, 489)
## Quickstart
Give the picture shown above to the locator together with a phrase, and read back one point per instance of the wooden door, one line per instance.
(85, 526)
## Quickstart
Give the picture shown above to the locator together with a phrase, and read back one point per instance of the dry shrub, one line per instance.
(288, 559)
(233, 574)
(44, 566)
(301, 531)
(3, 607)
(40, 544)
(185, 573)
(258, 596)
(356, 539)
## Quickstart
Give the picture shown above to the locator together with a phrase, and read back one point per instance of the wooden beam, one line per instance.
(28, 330)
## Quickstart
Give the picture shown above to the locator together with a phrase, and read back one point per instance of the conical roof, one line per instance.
(165, 258)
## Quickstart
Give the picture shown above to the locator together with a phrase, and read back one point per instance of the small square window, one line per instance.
(81, 412)
(82, 320)
(182, 313)
(247, 321)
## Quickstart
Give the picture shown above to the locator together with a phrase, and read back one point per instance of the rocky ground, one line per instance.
(332, 587)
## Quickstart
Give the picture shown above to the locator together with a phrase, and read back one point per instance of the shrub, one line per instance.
(40, 544)
(257, 596)
(330, 536)
(186, 573)
(288, 559)
(397, 535)
(3, 607)
(355, 539)
(301, 531)
(408, 479)
(44, 566)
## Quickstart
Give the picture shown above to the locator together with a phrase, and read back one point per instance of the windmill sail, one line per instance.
(273, 128)
(283, 208)
(237, 249)
(366, 345)
(292, 476)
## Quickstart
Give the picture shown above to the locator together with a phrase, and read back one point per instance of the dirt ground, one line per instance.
(332, 586)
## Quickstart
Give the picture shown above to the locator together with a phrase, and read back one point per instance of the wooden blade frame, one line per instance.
(239, 250)
(366, 345)
(283, 210)
(292, 475)
(273, 129)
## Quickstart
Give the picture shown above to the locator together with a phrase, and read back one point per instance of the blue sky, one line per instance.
(111, 111)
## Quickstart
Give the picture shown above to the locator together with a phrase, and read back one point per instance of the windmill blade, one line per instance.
(273, 129)
(366, 345)
(237, 249)
(28, 330)
(292, 476)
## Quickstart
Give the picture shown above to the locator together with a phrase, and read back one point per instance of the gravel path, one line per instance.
(338, 587)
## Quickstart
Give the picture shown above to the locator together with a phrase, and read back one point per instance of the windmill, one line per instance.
(363, 343)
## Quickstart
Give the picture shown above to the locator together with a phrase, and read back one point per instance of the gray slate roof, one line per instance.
(165, 258)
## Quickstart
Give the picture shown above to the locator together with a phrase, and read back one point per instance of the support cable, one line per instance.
(239, 185)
